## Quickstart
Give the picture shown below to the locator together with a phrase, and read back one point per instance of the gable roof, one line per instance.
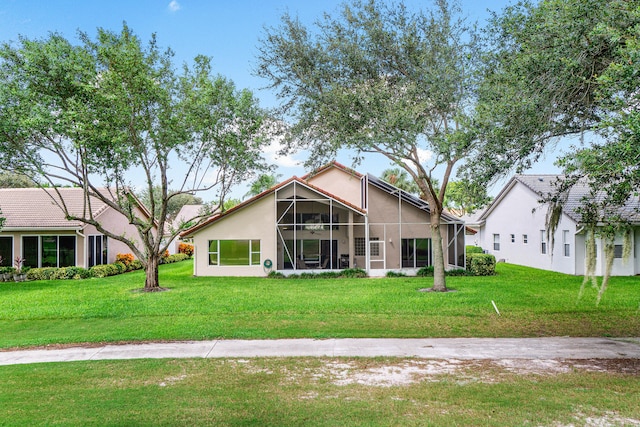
(35, 208)
(219, 216)
(545, 184)
(332, 165)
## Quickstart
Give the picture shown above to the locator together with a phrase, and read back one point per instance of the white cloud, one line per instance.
(174, 6)
(271, 153)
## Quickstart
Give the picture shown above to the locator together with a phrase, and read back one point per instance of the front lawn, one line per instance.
(320, 392)
(532, 303)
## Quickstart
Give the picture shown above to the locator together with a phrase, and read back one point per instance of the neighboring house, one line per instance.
(37, 230)
(333, 219)
(513, 228)
(185, 214)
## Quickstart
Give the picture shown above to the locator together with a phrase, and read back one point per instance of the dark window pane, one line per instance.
(30, 251)
(67, 251)
(49, 251)
(6, 251)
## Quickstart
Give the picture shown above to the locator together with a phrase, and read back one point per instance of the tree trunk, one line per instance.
(439, 282)
(151, 283)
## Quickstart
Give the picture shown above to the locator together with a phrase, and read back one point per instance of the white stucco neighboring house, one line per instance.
(513, 229)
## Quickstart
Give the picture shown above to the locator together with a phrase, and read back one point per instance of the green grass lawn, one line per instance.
(311, 391)
(532, 303)
(314, 391)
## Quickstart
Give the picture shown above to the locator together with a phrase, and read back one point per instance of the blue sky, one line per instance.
(228, 31)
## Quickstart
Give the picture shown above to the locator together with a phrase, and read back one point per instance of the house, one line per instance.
(331, 219)
(186, 214)
(37, 230)
(513, 228)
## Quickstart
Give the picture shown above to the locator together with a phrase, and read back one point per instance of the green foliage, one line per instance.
(392, 273)
(262, 183)
(470, 249)
(54, 273)
(400, 179)
(110, 106)
(426, 271)
(104, 270)
(379, 78)
(465, 197)
(175, 201)
(15, 180)
(175, 258)
(349, 273)
(481, 264)
(459, 272)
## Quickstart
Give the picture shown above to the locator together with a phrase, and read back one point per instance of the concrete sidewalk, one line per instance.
(427, 348)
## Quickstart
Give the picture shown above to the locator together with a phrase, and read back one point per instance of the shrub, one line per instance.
(185, 248)
(175, 258)
(104, 270)
(72, 273)
(126, 259)
(276, 275)
(457, 272)
(395, 274)
(481, 264)
(474, 250)
(44, 273)
(136, 265)
(425, 271)
(352, 273)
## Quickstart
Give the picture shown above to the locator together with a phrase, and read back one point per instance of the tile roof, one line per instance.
(35, 207)
(544, 185)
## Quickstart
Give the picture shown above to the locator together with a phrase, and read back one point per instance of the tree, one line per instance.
(400, 179)
(262, 183)
(560, 68)
(379, 79)
(110, 112)
(464, 197)
(14, 180)
(176, 201)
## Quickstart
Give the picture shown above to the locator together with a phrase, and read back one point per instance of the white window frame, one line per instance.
(566, 243)
(543, 242)
(496, 242)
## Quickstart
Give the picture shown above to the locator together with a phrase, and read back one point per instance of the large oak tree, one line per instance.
(112, 112)
(379, 78)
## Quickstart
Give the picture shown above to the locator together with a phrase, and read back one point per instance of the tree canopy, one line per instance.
(113, 112)
(560, 68)
(379, 78)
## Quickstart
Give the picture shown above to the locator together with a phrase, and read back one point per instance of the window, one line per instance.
(361, 245)
(97, 250)
(49, 251)
(416, 253)
(617, 251)
(525, 239)
(513, 238)
(496, 242)
(543, 242)
(234, 252)
(566, 243)
(6, 251)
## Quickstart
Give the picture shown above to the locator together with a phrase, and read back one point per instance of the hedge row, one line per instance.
(349, 273)
(102, 270)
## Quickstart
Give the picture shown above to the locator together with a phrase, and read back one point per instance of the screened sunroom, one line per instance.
(314, 230)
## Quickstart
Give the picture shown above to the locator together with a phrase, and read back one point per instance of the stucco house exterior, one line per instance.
(332, 219)
(513, 228)
(37, 230)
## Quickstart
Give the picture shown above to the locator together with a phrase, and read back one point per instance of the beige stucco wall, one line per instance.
(255, 222)
(340, 183)
(110, 219)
